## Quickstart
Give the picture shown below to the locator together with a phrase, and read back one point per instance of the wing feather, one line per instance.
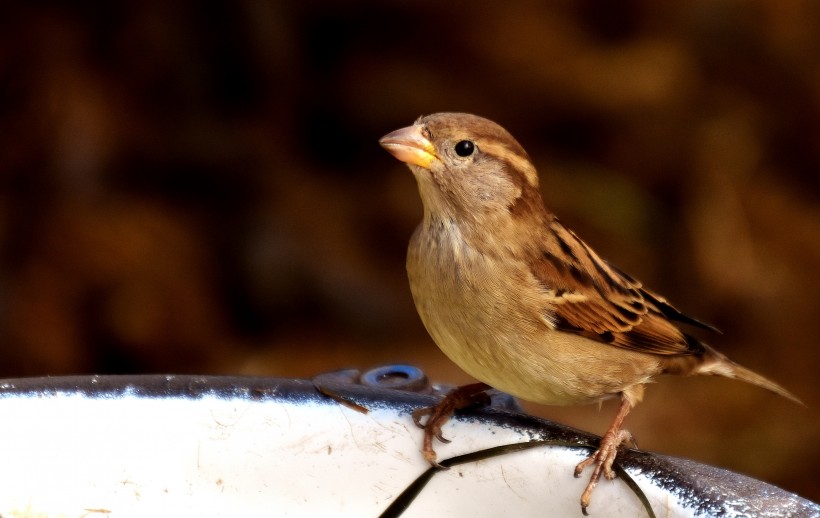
(597, 300)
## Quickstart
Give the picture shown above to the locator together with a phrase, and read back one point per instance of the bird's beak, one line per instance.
(410, 146)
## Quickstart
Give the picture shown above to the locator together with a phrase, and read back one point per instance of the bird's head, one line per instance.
(466, 166)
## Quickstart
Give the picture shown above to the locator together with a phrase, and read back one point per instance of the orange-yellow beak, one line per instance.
(409, 145)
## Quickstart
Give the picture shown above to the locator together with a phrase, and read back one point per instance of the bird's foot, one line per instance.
(602, 459)
(456, 399)
(604, 456)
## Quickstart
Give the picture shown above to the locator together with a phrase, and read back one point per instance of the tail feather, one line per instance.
(722, 366)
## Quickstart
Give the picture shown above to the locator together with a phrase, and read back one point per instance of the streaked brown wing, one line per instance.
(599, 301)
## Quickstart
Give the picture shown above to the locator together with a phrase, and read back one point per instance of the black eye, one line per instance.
(465, 148)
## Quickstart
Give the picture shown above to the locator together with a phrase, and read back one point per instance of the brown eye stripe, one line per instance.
(517, 160)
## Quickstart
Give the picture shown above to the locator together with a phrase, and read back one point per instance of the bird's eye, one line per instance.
(465, 148)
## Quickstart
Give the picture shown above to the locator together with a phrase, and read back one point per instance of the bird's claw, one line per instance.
(419, 414)
(603, 459)
(441, 438)
(439, 414)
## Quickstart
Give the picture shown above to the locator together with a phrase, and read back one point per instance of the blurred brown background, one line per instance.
(196, 187)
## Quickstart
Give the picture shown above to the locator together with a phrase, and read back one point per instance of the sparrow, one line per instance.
(520, 302)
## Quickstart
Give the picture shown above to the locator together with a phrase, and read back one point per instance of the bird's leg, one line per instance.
(456, 399)
(606, 453)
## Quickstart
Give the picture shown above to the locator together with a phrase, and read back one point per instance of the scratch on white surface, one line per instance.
(353, 437)
(134, 487)
(230, 419)
(287, 415)
(510, 485)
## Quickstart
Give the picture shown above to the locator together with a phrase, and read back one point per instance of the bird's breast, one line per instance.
(473, 306)
(487, 313)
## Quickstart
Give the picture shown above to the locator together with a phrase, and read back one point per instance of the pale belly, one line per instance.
(494, 328)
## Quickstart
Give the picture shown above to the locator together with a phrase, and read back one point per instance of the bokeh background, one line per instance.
(196, 187)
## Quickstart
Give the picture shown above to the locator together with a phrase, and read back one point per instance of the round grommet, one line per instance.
(397, 377)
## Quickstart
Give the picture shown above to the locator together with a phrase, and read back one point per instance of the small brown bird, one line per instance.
(518, 301)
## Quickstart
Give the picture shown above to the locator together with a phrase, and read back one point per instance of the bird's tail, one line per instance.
(719, 365)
